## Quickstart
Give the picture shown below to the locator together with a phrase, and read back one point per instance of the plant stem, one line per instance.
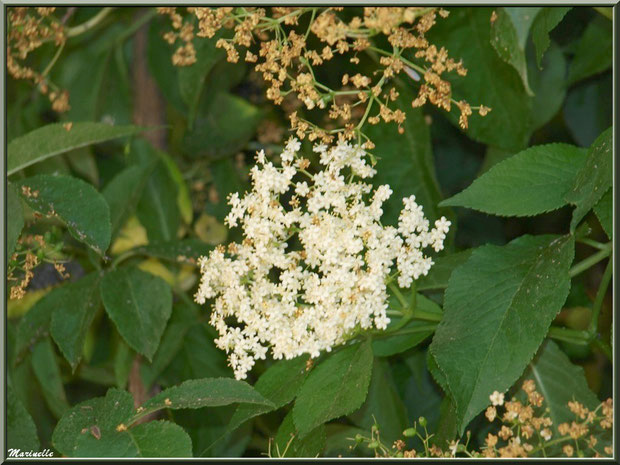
(603, 347)
(49, 67)
(90, 24)
(590, 261)
(592, 243)
(598, 300)
(573, 336)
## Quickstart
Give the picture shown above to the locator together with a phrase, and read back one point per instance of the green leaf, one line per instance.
(279, 384)
(35, 324)
(604, 213)
(549, 85)
(184, 201)
(410, 335)
(225, 128)
(139, 304)
(47, 372)
(76, 203)
(440, 272)
(594, 52)
(466, 33)
(14, 220)
(383, 405)
(337, 387)
(123, 193)
(559, 382)
(588, 108)
(594, 178)
(182, 250)
(21, 432)
(75, 307)
(183, 317)
(288, 442)
(406, 161)
(546, 20)
(207, 392)
(226, 180)
(497, 310)
(531, 182)
(158, 210)
(54, 139)
(96, 415)
(83, 163)
(522, 18)
(505, 41)
(192, 78)
(123, 360)
(161, 439)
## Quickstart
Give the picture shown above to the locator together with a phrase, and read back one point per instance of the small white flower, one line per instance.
(497, 398)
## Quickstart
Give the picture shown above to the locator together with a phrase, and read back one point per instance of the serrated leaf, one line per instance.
(14, 219)
(489, 81)
(336, 387)
(594, 52)
(559, 382)
(139, 304)
(604, 213)
(75, 305)
(406, 161)
(546, 20)
(439, 274)
(531, 182)
(288, 442)
(161, 439)
(21, 432)
(96, 415)
(279, 384)
(207, 392)
(497, 310)
(47, 373)
(505, 41)
(594, 178)
(83, 210)
(123, 193)
(54, 139)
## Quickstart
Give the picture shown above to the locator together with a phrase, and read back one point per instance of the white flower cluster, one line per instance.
(309, 273)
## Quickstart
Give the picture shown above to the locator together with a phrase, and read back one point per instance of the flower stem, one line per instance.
(90, 24)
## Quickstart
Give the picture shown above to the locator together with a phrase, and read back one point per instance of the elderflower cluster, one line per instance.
(315, 259)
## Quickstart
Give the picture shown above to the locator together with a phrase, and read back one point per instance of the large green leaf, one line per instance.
(594, 178)
(531, 182)
(35, 324)
(21, 432)
(522, 18)
(54, 139)
(47, 373)
(140, 304)
(466, 33)
(158, 210)
(405, 162)
(289, 443)
(280, 384)
(14, 219)
(546, 19)
(75, 202)
(337, 387)
(497, 310)
(505, 41)
(207, 392)
(604, 212)
(594, 52)
(75, 307)
(123, 193)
